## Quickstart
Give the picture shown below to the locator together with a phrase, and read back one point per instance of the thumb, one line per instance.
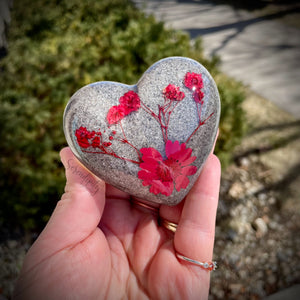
(79, 211)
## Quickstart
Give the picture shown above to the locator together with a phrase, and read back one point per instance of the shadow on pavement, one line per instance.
(238, 27)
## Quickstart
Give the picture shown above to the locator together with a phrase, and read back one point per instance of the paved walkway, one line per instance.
(262, 53)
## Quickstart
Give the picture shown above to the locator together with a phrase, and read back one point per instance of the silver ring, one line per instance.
(209, 265)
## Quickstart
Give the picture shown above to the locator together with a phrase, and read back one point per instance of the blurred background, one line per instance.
(51, 48)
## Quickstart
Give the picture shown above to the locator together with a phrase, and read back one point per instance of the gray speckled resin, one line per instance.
(89, 107)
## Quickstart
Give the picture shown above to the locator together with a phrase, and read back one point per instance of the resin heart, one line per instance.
(151, 139)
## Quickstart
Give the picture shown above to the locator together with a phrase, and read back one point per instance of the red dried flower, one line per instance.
(115, 114)
(130, 101)
(172, 92)
(162, 174)
(82, 135)
(193, 81)
(96, 142)
(91, 134)
(198, 96)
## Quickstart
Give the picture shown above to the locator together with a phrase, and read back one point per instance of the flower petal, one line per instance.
(161, 174)
(115, 114)
(181, 182)
(147, 177)
(189, 170)
(172, 148)
(182, 155)
(151, 153)
(165, 188)
(150, 165)
(188, 161)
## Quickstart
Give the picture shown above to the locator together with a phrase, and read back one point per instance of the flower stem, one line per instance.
(122, 130)
(158, 118)
(199, 125)
(149, 111)
(125, 141)
(112, 154)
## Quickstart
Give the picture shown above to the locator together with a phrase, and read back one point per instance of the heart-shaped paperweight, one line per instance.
(151, 139)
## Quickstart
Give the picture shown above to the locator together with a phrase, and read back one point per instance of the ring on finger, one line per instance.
(144, 206)
(208, 265)
(168, 225)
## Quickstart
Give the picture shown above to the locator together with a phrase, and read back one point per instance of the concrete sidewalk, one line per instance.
(261, 52)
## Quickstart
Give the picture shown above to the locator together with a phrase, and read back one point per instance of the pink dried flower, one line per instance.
(172, 92)
(193, 81)
(160, 174)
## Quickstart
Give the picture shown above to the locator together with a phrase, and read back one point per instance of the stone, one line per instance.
(244, 162)
(236, 190)
(232, 235)
(235, 288)
(151, 139)
(260, 226)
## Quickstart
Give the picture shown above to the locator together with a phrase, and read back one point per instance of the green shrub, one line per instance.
(56, 47)
(232, 122)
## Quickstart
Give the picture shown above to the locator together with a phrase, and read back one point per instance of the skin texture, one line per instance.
(98, 245)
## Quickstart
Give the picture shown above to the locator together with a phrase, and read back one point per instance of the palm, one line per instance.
(142, 255)
(125, 255)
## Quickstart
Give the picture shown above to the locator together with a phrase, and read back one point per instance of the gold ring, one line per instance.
(209, 265)
(169, 225)
(144, 205)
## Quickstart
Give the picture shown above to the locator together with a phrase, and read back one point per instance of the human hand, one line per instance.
(98, 245)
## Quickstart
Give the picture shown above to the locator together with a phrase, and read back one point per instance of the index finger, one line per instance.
(194, 237)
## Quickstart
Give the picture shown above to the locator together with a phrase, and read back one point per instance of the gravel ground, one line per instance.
(257, 242)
